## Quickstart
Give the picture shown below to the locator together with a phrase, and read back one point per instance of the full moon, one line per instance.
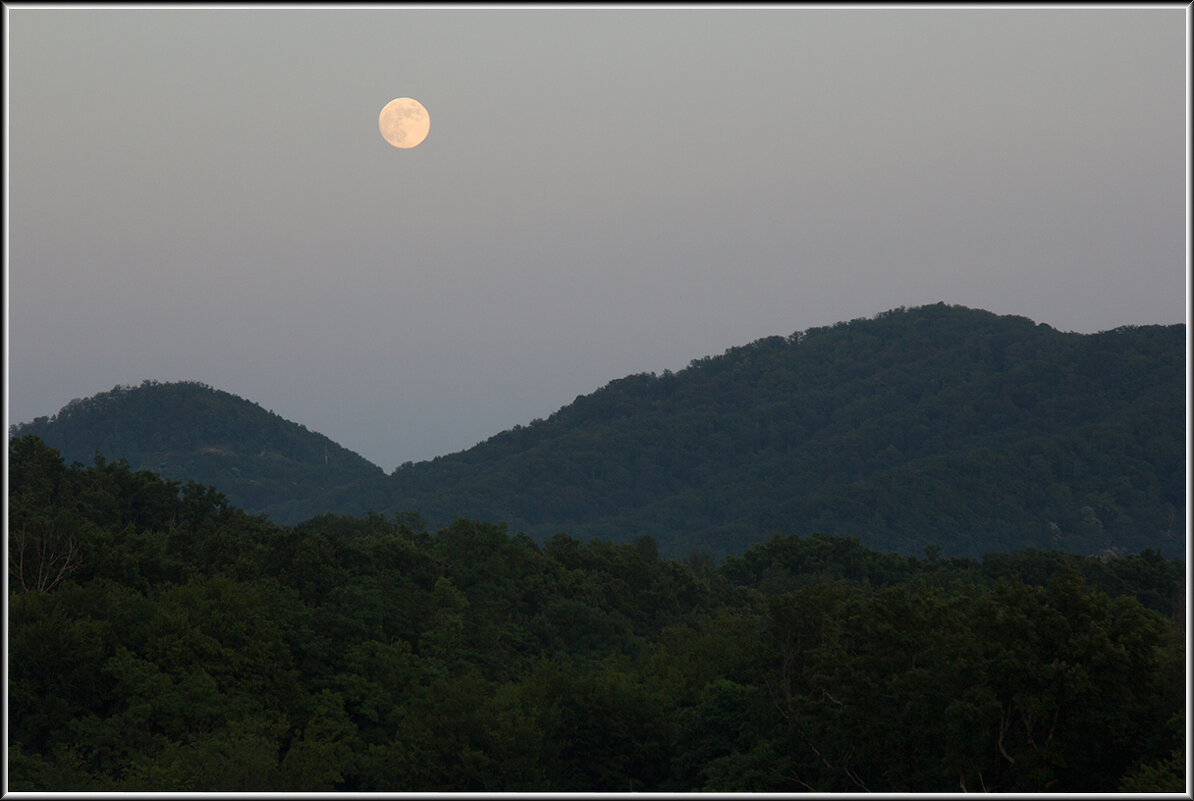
(404, 122)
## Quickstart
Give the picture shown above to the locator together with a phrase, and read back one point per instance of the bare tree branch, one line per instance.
(56, 557)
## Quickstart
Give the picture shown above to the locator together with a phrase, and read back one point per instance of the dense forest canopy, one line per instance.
(163, 639)
(189, 431)
(938, 426)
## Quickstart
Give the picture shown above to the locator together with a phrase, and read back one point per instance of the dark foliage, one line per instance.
(188, 646)
(937, 426)
(191, 432)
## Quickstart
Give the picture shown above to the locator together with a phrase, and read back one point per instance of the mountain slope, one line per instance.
(189, 431)
(934, 426)
(939, 425)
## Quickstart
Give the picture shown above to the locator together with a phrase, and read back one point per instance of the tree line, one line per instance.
(163, 639)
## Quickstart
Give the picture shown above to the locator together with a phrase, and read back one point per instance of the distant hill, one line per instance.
(934, 426)
(938, 426)
(189, 431)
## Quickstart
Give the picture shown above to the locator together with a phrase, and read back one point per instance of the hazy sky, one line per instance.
(203, 194)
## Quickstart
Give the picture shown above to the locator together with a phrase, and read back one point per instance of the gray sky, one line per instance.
(204, 195)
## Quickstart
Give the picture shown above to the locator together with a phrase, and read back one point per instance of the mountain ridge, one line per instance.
(187, 430)
(933, 426)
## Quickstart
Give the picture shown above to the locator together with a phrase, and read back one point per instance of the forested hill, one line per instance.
(934, 426)
(189, 431)
(937, 426)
